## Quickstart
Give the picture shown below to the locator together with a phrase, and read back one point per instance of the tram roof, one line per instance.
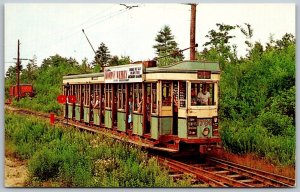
(185, 67)
(179, 67)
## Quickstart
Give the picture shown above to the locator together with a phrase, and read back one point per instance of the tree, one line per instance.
(166, 47)
(219, 42)
(115, 60)
(102, 56)
(286, 40)
(11, 72)
(248, 32)
(85, 66)
(29, 74)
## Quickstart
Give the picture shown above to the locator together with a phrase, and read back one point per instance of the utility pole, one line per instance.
(193, 32)
(18, 71)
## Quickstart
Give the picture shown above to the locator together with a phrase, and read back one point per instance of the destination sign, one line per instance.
(124, 74)
(204, 74)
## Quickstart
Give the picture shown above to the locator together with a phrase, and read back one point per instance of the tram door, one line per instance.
(166, 115)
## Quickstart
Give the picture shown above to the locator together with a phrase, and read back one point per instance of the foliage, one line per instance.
(219, 44)
(239, 137)
(47, 83)
(102, 56)
(257, 100)
(70, 158)
(115, 60)
(166, 47)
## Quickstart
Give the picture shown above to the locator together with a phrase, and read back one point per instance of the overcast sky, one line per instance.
(49, 29)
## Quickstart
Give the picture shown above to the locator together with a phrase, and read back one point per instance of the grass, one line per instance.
(66, 157)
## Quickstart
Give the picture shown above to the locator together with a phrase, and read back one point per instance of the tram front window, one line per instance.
(166, 94)
(202, 94)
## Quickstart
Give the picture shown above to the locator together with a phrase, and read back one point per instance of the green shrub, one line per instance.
(276, 123)
(69, 158)
(44, 164)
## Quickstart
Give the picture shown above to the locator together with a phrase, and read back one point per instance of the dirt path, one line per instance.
(16, 172)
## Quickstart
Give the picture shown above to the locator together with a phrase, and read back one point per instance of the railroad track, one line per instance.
(215, 172)
(220, 173)
(266, 178)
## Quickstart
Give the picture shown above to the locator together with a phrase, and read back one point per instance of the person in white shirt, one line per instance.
(204, 96)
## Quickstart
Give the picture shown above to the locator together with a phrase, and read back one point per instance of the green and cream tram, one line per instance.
(172, 107)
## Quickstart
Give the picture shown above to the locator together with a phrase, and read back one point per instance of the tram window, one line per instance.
(154, 97)
(87, 95)
(108, 95)
(83, 94)
(121, 96)
(96, 99)
(202, 94)
(182, 93)
(78, 94)
(166, 94)
(137, 93)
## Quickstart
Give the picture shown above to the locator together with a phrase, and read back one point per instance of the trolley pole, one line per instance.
(18, 71)
(193, 32)
(97, 59)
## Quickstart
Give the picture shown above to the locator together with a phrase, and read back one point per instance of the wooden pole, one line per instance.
(193, 32)
(18, 72)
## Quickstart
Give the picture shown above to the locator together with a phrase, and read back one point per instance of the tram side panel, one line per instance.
(122, 121)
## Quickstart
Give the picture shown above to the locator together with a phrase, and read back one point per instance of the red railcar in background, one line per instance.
(25, 90)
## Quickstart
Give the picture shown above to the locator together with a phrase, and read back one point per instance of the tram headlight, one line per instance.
(215, 119)
(205, 131)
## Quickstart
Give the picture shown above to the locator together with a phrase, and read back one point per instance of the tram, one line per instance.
(172, 108)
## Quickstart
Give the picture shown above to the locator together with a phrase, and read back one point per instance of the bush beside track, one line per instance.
(66, 157)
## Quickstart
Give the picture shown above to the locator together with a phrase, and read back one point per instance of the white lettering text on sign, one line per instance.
(124, 74)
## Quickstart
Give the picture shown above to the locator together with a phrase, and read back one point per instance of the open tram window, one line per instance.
(121, 96)
(182, 94)
(108, 96)
(154, 98)
(166, 94)
(96, 99)
(86, 95)
(202, 94)
(138, 97)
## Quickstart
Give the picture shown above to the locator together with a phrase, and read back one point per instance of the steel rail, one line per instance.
(268, 178)
(207, 176)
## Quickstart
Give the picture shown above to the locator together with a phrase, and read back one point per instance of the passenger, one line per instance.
(130, 105)
(140, 106)
(194, 97)
(96, 102)
(204, 96)
(92, 107)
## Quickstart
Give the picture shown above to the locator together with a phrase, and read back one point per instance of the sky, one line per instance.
(48, 29)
